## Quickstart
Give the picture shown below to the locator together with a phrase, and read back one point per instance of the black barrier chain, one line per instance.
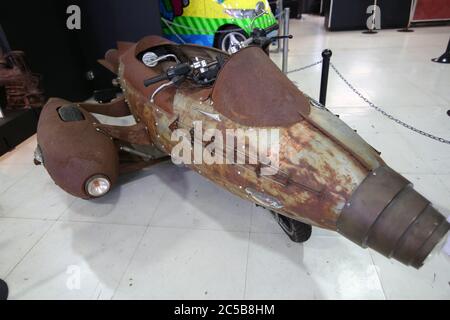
(305, 67)
(386, 114)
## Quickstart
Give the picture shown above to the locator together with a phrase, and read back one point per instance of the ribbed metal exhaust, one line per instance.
(386, 214)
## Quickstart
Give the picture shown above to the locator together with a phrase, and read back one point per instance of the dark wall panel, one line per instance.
(64, 56)
(352, 15)
(39, 29)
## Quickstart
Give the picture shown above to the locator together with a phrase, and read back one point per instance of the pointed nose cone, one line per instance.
(386, 214)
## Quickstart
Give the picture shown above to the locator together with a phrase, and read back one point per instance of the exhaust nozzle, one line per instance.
(386, 214)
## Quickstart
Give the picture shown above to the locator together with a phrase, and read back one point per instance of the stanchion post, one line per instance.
(326, 55)
(285, 41)
(280, 20)
(412, 9)
(445, 57)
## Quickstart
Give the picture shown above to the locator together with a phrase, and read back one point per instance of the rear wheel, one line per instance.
(229, 36)
(297, 231)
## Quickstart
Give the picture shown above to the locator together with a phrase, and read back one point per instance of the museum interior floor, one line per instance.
(166, 232)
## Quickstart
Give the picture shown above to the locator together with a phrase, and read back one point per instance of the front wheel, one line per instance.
(228, 37)
(297, 231)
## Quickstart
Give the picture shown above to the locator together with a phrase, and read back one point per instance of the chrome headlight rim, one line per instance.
(97, 178)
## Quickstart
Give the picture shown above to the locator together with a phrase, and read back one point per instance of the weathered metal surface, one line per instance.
(386, 214)
(342, 134)
(251, 90)
(136, 134)
(74, 151)
(123, 46)
(327, 175)
(115, 108)
(371, 198)
(316, 175)
(112, 58)
(421, 230)
(23, 88)
(323, 163)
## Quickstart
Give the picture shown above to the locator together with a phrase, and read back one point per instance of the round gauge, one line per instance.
(149, 59)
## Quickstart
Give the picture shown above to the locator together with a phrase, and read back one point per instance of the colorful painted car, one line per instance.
(218, 23)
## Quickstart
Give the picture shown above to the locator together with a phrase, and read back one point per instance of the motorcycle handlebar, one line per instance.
(181, 69)
(156, 79)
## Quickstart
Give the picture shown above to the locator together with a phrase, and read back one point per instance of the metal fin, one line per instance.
(213, 116)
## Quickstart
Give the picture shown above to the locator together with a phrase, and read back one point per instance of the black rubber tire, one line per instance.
(70, 113)
(297, 231)
(4, 291)
(221, 35)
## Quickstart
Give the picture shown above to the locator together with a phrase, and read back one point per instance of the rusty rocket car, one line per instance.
(327, 176)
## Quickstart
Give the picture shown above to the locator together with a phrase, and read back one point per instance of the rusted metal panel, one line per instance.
(386, 214)
(123, 46)
(327, 175)
(136, 134)
(368, 202)
(74, 151)
(406, 207)
(342, 134)
(317, 175)
(115, 108)
(423, 251)
(422, 228)
(263, 96)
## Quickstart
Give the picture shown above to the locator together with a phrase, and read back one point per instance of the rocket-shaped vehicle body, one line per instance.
(326, 174)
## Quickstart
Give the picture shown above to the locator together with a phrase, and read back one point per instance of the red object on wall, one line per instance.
(432, 10)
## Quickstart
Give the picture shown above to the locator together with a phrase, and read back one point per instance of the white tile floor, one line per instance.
(168, 233)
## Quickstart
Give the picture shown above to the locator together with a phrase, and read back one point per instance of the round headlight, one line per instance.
(97, 186)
